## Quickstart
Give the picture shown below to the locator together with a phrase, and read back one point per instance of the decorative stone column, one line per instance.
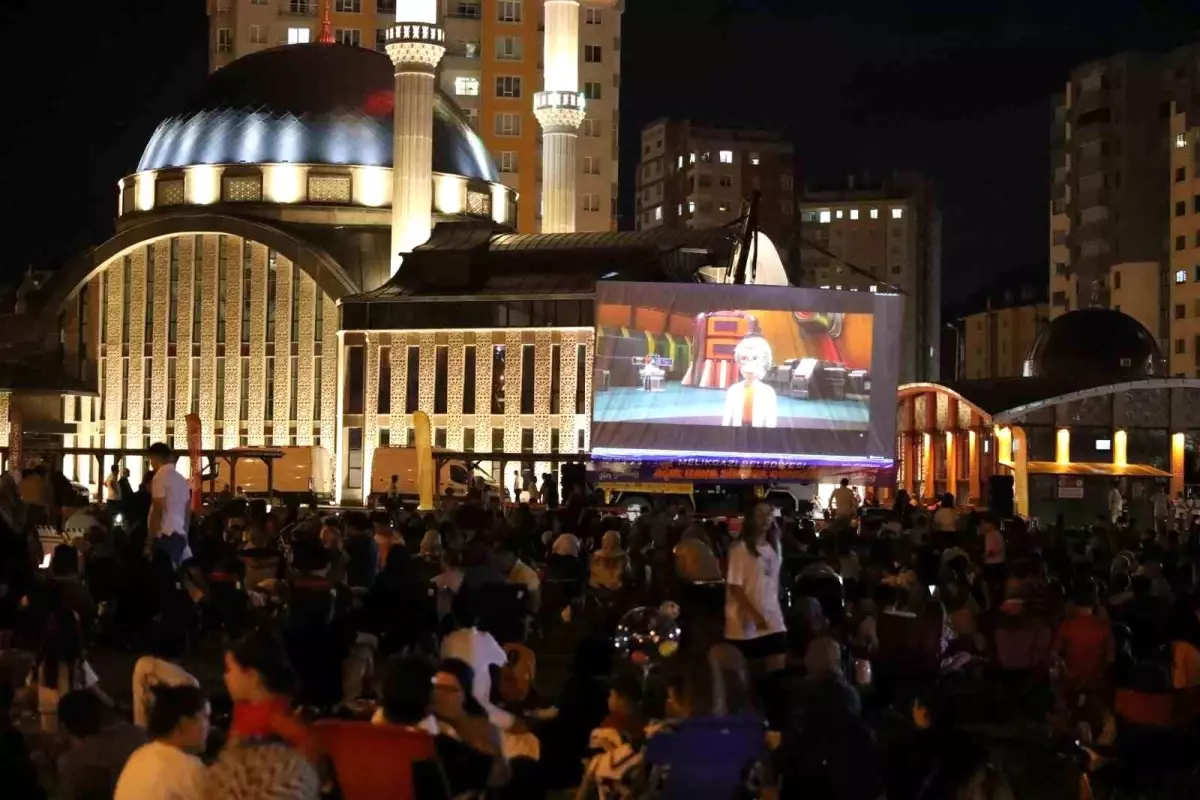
(416, 45)
(560, 110)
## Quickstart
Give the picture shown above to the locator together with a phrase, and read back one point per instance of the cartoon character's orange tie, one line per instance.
(748, 404)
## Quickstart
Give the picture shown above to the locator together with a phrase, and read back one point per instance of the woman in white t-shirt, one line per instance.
(753, 617)
(61, 668)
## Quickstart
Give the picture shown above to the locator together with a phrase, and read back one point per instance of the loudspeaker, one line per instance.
(1000, 496)
(573, 476)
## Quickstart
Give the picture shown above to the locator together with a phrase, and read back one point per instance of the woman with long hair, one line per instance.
(261, 684)
(753, 616)
(61, 667)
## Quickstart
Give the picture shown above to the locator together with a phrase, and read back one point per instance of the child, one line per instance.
(624, 708)
(617, 743)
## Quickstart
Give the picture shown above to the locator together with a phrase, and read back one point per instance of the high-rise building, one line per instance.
(492, 68)
(1184, 242)
(691, 176)
(996, 341)
(881, 237)
(1113, 190)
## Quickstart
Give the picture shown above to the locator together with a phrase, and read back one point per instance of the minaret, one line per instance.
(415, 44)
(560, 111)
(326, 35)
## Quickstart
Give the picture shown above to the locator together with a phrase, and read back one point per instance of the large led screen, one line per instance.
(742, 373)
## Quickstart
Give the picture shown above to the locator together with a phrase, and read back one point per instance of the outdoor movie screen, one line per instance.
(733, 372)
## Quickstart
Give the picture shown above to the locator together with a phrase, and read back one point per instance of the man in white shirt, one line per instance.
(1161, 506)
(842, 502)
(169, 493)
(1116, 503)
(165, 768)
(750, 403)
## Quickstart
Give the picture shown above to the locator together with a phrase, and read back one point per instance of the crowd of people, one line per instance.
(898, 653)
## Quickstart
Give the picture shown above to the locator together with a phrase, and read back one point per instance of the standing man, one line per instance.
(169, 493)
(843, 503)
(1116, 503)
(1161, 506)
(112, 484)
(995, 561)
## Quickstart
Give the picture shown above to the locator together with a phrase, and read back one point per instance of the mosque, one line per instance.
(317, 245)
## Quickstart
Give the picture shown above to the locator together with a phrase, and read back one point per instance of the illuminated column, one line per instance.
(952, 464)
(927, 467)
(1020, 452)
(972, 467)
(416, 45)
(1120, 449)
(1062, 446)
(560, 110)
(1178, 446)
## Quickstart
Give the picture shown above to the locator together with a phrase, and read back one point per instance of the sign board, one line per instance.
(1070, 487)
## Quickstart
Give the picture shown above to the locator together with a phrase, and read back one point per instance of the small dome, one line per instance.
(307, 104)
(1095, 344)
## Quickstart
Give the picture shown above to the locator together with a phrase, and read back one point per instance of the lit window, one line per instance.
(755, 159)
(299, 35)
(681, 209)
(826, 215)
(897, 213)
(854, 213)
(509, 11)
(508, 161)
(224, 40)
(837, 214)
(508, 86)
(726, 156)
(466, 86)
(1181, 140)
(691, 158)
(348, 36)
(691, 206)
(681, 162)
(658, 212)
(508, 124)
(1181, 276)
(874, 213)
(706, 157)
(874, 288)
(509, 48)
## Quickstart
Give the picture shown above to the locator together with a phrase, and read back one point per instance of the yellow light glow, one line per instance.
(145, 190)
(499, 203)
(283, 183)
(1004, 448)
(1062, 446)
(373, 186)
(203, 185)
(1178, 454)
(1120, 449)
(450, 194)
(561, 46)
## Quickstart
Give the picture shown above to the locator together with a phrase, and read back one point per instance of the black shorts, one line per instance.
(773, 644)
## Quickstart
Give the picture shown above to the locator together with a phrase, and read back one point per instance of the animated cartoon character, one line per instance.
(750, 402)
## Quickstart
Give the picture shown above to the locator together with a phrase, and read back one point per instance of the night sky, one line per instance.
(962, 95)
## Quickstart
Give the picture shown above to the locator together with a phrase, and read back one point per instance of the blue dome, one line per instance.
(307, 104)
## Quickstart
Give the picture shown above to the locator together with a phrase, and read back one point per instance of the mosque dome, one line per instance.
(1095, 344)
(307, 104)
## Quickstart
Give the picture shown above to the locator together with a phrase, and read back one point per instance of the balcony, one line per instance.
(298, 8)
(464, 10)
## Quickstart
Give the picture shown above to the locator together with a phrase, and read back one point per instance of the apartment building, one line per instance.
(691, 176)
(1183, 355)
(492, 68)
(996, 341)
(882, 236)
(1115, 194)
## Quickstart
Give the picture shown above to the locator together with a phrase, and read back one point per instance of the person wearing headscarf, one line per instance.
(609, 565)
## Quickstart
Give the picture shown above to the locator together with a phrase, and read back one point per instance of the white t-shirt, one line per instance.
(1115, 502)
(759, 579)
(82, 677)
(158, 771)
(1162, 506)
(481, 650)
(149, 672)
(172, 488)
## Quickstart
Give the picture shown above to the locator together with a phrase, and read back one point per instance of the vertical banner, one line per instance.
(16, 436)
(425, 465)
(193, 441)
